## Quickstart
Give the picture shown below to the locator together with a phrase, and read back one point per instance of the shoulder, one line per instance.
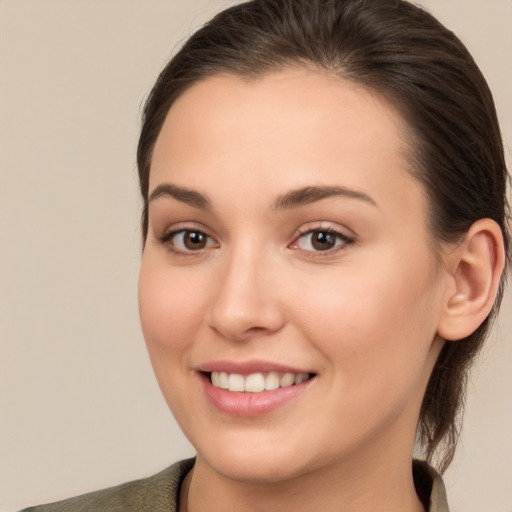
(158, 493)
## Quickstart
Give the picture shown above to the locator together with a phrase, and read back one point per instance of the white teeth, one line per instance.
(272, 381)
(216, 379)
(236, 382)
(220, 380)
(224, 380)
(256, 382)
(287, 380)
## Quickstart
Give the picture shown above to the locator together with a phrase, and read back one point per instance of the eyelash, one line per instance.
(342, 241)
(167, 240)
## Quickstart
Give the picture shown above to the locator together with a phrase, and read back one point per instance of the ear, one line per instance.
(475, 269)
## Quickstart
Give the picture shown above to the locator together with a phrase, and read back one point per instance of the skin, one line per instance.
(363, 316)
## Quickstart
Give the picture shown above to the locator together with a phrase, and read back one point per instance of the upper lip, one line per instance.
(248, 367)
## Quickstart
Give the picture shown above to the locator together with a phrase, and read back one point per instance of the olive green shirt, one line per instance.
(160, 493)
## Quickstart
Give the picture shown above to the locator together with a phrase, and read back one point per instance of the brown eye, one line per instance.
(321, 240)
(187, 241)
(194, 240)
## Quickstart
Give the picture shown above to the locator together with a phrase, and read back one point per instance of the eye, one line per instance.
(321, 240)
(187, 241)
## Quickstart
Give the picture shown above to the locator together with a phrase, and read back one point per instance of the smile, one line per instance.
(256, 382)
(253, 388)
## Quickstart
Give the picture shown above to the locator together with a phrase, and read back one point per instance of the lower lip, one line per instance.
(250, 404)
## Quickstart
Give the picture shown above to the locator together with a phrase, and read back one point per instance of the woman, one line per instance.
(325, 238)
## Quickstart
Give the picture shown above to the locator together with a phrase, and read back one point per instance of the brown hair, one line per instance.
(404, 54)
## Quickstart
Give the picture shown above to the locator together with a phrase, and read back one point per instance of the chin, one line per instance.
(261, 458)
(255, 468)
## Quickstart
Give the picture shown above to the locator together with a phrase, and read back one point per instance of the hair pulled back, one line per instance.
(402, 53)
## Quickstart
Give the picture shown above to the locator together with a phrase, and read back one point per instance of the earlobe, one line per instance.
(475, 269)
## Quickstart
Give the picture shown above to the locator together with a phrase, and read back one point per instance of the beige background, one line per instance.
(79, 407)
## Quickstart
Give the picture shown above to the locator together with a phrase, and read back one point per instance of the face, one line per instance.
(288, 259)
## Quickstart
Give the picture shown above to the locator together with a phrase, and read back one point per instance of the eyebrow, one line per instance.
(185, 195)
(308, 195)
(292, 199)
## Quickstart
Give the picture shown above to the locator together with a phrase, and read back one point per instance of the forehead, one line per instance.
(290, 126)
(293, 101)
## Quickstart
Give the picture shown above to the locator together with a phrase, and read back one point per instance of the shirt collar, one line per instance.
(430, 487)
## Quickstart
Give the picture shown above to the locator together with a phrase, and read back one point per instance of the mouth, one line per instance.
(253, 387)
(258, 382)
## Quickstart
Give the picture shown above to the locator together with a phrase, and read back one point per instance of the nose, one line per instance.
(246, 302)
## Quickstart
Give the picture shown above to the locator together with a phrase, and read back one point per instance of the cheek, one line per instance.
(375, 327)
(168, 307)
(170, 313)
